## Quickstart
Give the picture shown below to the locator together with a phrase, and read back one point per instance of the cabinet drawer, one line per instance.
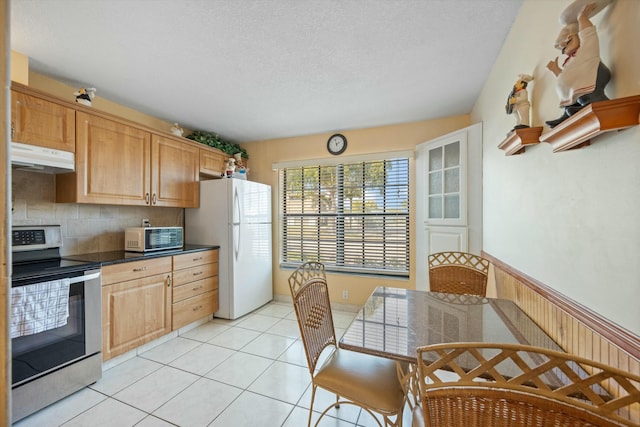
(180, 277)
(194, 258)
(194, 288)
(194, 308)
(134, 270)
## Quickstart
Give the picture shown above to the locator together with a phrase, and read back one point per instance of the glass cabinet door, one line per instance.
(446, 183)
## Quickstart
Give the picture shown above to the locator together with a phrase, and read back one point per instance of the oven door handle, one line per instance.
(83, 278)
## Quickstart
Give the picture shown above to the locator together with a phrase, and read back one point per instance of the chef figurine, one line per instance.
(85, 96)
(518, 101)
(176, 130)
(231, 167)
(582, 78)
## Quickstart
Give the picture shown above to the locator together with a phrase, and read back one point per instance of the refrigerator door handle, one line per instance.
(236, 242)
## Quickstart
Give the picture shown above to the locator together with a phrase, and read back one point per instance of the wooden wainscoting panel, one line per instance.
(575, 335)
(574, 327)
(587, 343)
(595, 352)
(634, 366)
(565, 332)
(604, 352)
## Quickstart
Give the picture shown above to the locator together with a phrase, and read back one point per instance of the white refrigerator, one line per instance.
(236, 214)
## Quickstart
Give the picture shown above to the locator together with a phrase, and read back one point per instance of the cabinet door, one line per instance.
(212, 163)
(446, 181)
(175, 173)
(43, 123)
(112, 162)
(135, 312)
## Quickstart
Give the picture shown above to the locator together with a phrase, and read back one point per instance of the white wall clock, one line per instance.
(337, 144)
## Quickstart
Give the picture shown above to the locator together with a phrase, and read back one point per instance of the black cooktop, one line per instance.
(49, 269)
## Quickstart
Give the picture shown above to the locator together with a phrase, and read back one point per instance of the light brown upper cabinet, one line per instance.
(212, 162)
(174, 172)
(40, 122)
(123, 165)
(113, 164)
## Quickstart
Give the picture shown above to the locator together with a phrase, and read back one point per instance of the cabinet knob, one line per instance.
(198, 273)
(154, 198)
(146, 198)
(139, 269)
(169, 281)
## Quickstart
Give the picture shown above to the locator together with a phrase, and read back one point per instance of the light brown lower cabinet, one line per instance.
(136, 304)
(144, 300)
(195, 287)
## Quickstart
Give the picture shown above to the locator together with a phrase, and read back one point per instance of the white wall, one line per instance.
(570, 220)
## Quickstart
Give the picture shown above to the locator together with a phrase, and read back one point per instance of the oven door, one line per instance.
(37, 354)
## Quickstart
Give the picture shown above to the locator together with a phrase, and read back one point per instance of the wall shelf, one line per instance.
(593, 120)
(518, 139)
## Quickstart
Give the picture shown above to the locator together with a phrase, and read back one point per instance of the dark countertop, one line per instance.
(116, 257)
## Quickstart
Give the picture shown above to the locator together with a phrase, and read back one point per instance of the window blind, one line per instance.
(351, 217)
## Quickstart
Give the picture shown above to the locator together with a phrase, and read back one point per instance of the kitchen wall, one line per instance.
(21, 73)
(569, 220)
(360, 141)
(19, 68)
(85, 228)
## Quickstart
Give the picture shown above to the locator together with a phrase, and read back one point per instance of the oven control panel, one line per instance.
(35, 237)
(27, 237)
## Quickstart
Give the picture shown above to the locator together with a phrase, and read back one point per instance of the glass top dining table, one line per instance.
(394, 322)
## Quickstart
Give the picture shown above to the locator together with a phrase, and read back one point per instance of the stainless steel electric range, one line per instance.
(56, 334)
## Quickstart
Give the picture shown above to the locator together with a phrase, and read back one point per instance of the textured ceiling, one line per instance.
(258, 69)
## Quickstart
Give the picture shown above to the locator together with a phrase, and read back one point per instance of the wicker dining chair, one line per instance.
(305, 272)
(367, 381)
(458, 273)
(511, 385)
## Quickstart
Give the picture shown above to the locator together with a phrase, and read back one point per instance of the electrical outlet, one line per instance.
(345, 294)
(146, 222)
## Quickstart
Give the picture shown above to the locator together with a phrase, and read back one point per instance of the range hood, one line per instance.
(41, 159)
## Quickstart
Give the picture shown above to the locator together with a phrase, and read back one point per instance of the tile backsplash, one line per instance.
(85, 228)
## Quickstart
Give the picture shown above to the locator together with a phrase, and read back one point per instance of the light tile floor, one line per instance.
(250, 371)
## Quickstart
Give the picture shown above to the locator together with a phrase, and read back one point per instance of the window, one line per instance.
(351, 217)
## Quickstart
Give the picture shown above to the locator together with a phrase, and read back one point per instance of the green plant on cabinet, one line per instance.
(214, 140)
